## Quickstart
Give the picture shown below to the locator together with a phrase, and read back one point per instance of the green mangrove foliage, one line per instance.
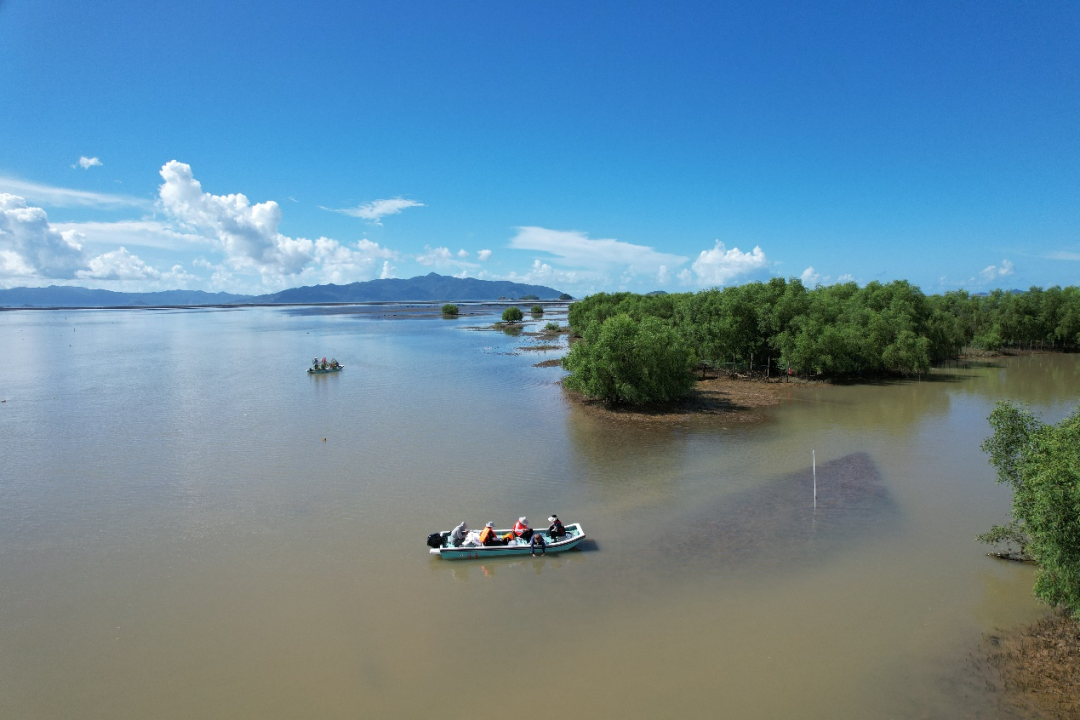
(627, 361)
(512, 315)
(537, 310)
(1041, 463)
(449, 309)
(843, 329)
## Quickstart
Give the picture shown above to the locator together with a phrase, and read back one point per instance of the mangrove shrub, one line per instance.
(1041, 463)
(512, 315)
(623, 361)
(449, 309)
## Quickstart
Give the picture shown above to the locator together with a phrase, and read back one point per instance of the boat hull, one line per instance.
(312, 371)
(574, 536)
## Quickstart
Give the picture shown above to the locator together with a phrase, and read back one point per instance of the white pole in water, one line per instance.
(813, 455)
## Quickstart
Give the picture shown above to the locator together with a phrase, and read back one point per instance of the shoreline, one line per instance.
(734, 400)
(1038, 665)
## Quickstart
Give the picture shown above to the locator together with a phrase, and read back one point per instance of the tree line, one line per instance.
(632, 343)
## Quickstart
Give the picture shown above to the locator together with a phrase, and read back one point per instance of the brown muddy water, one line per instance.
(190, 526)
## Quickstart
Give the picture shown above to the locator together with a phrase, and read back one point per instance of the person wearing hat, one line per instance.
(521, 530)
(457, 535)
(556, 529)
(488, 535)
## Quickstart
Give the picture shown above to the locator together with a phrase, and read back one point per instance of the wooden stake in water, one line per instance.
(813, 455)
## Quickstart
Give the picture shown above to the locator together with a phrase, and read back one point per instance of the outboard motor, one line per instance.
(435, 540)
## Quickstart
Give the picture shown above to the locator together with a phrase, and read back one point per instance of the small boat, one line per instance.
(323, 371)
(574, 536)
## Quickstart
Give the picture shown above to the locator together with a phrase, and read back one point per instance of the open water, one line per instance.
(191, 526)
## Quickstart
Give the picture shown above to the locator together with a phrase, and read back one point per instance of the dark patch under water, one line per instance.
(776, 522)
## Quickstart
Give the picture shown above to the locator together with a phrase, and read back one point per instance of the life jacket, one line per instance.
(519, 528)
(487, 535)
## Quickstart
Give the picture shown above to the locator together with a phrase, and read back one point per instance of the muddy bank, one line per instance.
(731, 400)
(1037, 668)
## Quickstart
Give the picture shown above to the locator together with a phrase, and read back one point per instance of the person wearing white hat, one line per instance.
(488, 535)
(521, 530)
(556, 529)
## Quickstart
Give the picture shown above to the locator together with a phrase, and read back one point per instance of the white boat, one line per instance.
(472, 549)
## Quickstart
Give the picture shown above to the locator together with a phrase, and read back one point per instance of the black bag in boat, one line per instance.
(435, 540)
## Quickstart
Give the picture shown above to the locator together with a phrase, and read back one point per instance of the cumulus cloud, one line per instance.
(810, 276)
(577, 250)
(388, 271)
(88, 162)
(483, 255)
(31, 246)
(443, 258)
(719, 266)
(463, 253)
(376, 210)
(993, 272)
(434, 256)
(66, 197)
(248, 235)
(118, 265)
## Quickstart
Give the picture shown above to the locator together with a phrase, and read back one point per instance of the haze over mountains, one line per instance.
(431, 287)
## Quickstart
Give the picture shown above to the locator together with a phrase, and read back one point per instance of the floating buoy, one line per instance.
(324, 439)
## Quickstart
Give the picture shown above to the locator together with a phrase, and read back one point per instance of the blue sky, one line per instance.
(250, 147)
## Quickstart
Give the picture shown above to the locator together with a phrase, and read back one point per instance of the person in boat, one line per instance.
(556, 529)
(488, 536)
(458, 534)
(537, 541)
(315, 364)
(333, 363)
(521, 530)
(324, 363)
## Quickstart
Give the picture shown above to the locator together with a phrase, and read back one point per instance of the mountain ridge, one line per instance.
(431, 288)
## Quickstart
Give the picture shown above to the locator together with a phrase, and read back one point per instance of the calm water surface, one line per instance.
(190, 526)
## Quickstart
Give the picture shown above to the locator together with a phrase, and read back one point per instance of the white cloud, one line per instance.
(462, 253)
(31, 246)
(663, 275)
(143, 233)
(443, 258)
(88, 162)
(994, 272)
(388, 271)
(576, 250)
(248, 235)
(434, 256)
(845, 278)
(483, 255)
(719, 266)
(1063, 255)
(118, 265)
(810, 276)
(376, 210)
(66, 197)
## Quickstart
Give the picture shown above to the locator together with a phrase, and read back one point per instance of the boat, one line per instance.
(324, 371)
(574, 536)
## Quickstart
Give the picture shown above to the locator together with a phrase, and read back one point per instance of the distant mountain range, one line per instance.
(432, 287)
(67, 296)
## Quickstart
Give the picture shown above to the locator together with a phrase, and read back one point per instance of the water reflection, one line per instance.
(488, 569)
